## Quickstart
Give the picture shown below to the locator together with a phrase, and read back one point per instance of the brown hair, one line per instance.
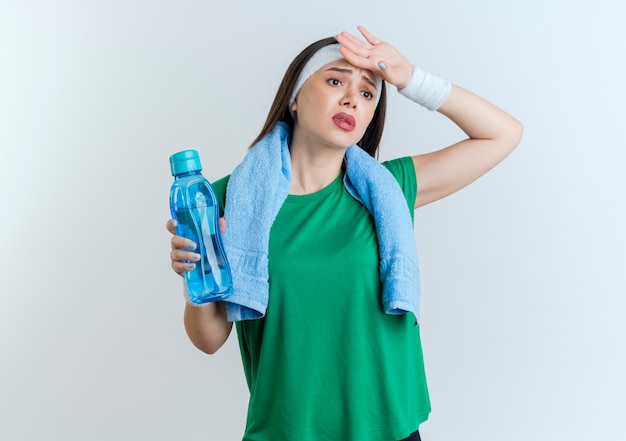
(280, 107)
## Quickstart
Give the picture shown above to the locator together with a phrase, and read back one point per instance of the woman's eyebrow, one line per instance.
(345, 70)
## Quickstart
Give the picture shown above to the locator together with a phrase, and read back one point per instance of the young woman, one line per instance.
(328, 329)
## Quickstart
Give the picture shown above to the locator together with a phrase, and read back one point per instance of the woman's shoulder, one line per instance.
(219, 187)
(403, 169)
(400, 166)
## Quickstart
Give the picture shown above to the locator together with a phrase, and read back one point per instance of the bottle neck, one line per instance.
(189, 173)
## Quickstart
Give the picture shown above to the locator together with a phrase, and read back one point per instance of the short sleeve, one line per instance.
(403, 170)
(219, 187)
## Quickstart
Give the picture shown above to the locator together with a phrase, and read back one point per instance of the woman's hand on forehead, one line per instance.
(376, 56)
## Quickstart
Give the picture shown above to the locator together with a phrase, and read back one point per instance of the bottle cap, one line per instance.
(185, 162)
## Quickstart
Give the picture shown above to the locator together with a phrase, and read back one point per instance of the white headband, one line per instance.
(326, 54)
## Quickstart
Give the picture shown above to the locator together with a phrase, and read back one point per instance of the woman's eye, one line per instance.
(368, 95)
(334, 82)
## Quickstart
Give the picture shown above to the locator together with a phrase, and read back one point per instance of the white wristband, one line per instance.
(426, 89)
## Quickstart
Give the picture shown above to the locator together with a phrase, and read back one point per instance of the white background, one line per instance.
(523, 279)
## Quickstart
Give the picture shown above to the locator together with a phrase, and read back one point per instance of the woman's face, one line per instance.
(335, 105)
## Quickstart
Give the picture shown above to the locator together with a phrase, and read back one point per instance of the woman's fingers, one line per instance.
(352, 42)
(179, 241)
(377, 56)
(183, 260)
(182, 255)
(181, 267)
(182, 242)
(171, 226)
(353, 45)
(358, 46)
(369, 36)
(371, 54)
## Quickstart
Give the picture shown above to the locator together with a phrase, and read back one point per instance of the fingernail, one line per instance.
(191, 246)
(191, 265)
(171, 222)
(196, 256)
(383, 66)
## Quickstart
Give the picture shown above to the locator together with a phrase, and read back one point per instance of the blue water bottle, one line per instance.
(194, 206)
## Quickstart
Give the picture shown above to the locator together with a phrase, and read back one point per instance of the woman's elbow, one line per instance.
(207, 344)
(516, 131)
(207, 348)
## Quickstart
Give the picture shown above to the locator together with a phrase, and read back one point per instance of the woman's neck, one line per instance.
(312, 169)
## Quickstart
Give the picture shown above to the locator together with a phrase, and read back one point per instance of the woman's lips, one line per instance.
(344, 121)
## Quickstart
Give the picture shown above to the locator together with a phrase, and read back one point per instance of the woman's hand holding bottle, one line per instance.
(182, 255)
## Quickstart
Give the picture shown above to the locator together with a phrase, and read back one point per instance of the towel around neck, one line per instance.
(258, 187)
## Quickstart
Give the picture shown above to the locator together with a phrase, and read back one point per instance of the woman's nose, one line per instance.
(350, 98)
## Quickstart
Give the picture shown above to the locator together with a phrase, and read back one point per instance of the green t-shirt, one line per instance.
(326, 363)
